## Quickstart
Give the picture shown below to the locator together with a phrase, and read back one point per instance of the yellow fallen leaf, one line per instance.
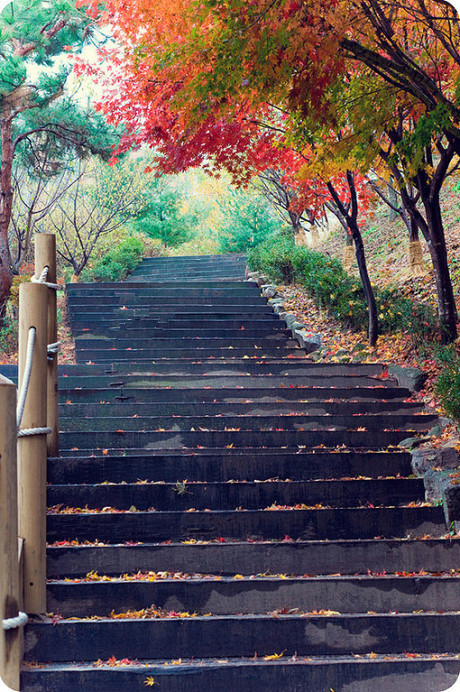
(273, 657)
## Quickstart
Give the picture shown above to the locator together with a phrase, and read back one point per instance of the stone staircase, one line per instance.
(228, 515)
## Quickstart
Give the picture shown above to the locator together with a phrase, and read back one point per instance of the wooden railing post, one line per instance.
(10, 600)
(45, 256)
(33, 301)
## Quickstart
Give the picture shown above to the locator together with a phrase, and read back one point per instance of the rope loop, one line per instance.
(28, 432)
(41, 280)
(26, 378)
(19, 621)
(54, 348)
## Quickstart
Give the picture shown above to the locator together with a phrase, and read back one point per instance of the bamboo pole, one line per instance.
(10, 601)
(45, 256)
(33, 300)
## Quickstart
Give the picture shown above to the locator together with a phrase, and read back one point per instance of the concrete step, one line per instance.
(306, 524)
(251, 421)
(194, 439)
(235, 635)
(275, 383)
(118, 391)
(247, 495)
(385, 409)
(249, 557)
(223, 464)
(257, 594)
(362, 672)
(136, 355)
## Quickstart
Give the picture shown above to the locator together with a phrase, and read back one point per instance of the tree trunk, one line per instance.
(6, 201)
(447, 308)
(368, 290)
(393, 197)
(348, 253)
(354, 232)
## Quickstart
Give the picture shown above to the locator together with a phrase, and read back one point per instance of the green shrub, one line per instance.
(117, 262)
(447, 386)
(333, 289)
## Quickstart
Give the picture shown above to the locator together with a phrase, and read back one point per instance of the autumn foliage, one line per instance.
(319, 90)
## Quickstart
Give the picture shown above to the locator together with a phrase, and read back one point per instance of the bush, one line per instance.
(447, 386)
(333, 289)
(117, 262)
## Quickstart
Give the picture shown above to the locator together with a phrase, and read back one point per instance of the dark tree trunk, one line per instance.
(431, 226)
(351, 216)
(447, 308)
(367, 286)
(6, 201)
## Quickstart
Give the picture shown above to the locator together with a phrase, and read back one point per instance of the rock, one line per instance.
(290, 319)
(412, 378)
(411, 442)
(434, 482)
(435, 431)
(262, 280)
(279, 309)
(269, 291)
(359, 347)
(451, 499)
(342, 352)
(308, 340)
(361, 355)
(423, 460)
(295, 326)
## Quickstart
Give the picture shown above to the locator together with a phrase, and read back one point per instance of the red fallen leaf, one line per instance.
(105, 452)
(57, 617)
(122, 432)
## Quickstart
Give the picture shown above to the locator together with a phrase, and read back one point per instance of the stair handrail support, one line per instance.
(31, 443)
(45, 258)
(11, 638)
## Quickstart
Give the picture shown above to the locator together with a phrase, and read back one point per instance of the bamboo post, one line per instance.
(33, 300)
(45, 256)
(10, 640)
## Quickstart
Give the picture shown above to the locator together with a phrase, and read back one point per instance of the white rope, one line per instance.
(28, 432)
(19, 621)
(54, 348)
(41, 280)
(26, 377)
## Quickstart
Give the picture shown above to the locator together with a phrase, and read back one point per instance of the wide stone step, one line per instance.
(180, 305)
(222, 464)
(104, 356)
(118, 391)
(385, 409)
(251, 421)
(201, 288)
(154, 439)
(305, 524)
(360, 673)
(224, 381)
(234, 366)
(231, 495)
(255, 594)
(185, 338)
(187, 275)
(235, 635)
(250, 557)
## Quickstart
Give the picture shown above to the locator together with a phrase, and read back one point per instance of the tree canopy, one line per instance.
(319, 90)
